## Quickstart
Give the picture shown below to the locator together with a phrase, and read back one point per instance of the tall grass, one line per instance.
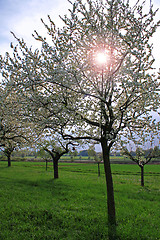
(35, 206)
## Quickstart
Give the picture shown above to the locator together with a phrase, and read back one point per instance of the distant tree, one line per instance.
(56, 147)
(95, 156)
(83, 153)
(14, 132)
(91, 151)
(141, 158)
(8, 150)
(45, 156)
(56, 153)
(73, 153)
(154, 150)
(137, 143)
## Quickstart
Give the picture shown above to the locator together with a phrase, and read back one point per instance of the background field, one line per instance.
(35, 206)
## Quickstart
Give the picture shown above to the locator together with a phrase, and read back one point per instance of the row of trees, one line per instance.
(65, 92)
(14, 133)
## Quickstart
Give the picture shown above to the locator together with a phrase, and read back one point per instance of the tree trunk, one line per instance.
(9, 160)
(55, 168)
(110, 192)
(98, 169)
(46, 164)
(109, 183)
(142, 176)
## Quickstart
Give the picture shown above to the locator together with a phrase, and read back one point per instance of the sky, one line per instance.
(23, 17)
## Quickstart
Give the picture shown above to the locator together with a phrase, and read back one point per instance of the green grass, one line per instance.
(35, 206)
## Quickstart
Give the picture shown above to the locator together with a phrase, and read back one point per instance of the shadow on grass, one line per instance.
(3, 168)
(43, 184)
(91, 171)
(144, 194)
(16, 183)
(64, 217)
(135, 173)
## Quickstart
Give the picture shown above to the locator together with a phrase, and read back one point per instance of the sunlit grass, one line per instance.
(35, 206)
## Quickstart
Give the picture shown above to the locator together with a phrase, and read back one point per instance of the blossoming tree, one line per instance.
(94, 76)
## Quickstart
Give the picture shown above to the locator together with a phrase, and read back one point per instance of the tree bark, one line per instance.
(55, 168)
(98, 169)
(109, 183)
(9, 160)
(142, 176)
(46, 164)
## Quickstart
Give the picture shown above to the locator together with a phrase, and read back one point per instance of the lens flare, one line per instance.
(101, 58)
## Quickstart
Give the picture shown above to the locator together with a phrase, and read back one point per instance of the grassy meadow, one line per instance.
(35, 206)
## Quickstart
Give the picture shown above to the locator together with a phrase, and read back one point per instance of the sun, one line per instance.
(101, 58)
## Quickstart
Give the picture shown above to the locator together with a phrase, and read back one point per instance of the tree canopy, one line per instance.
(65, 76)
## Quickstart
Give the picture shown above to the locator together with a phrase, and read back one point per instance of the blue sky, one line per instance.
(23, 17)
